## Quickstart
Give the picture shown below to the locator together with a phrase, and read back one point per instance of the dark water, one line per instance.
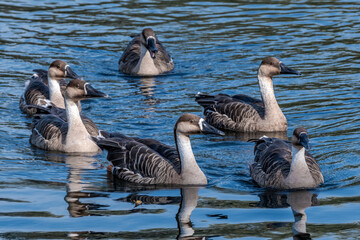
(217, 47)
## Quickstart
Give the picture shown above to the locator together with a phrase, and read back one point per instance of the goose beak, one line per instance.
(91, 92)
(304, 140)
(151, 46)
(286, 70)
(70, 73)
(208, 129)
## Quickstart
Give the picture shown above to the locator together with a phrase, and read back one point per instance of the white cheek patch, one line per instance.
(147, 39)
(66, 69)
(201, 123)
(85, 88)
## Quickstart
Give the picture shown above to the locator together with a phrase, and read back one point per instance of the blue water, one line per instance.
(217, 47)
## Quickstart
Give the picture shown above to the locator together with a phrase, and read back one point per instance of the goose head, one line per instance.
(60, 70)
(189, 124)
(78, 89)
(272, 66)
(300, 138)
(148, 39)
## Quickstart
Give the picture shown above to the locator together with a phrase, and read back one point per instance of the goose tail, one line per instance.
(205, 100)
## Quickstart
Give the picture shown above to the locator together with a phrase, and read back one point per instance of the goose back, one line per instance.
(90, 126)
(242, 113)
(42, 75)
(36, 93)
(237, 113)
(273, 161)
(142, 161)
(37, 90)
(49, 133)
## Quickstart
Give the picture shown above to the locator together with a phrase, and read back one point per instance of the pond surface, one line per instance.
(217, 47)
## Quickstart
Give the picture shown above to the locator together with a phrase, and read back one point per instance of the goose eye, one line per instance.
(192, 121)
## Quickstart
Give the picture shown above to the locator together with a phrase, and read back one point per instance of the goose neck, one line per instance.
(186, 154)
(190, 171)
(298, 158)
(77, 137)
(268, 96)
(75, 123)
(299, 175)
(55, 93)
(145, 65)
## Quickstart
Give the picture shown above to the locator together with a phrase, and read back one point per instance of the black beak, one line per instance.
(151, 46)
(286, 70)
(70, 73)
(208, 129)
(304, 140)
(91, 92)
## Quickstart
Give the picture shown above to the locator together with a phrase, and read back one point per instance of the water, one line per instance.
(217, 47)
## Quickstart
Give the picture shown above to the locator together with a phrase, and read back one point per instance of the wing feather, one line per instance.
(273, 161)
(237, 113)
(49, 133)
(130, 56)
(37, 92)
(163, 60)
(51, 109)
(136, 162)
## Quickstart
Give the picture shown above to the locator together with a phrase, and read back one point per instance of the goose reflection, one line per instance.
(147, 86)
(248, 136)
(189, 199)
(299, 201)
(76, 186)
(188, 202)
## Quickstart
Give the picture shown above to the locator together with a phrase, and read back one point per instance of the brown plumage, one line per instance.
(60, 113)
(243, 113)
(281, 164)
(145, 55)
(42, 75)
(36, 98)
(37, 90)
(53, 133)
(148, 161)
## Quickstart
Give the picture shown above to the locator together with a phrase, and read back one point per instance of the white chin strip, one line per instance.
(66, 68)
(85, 88)
(147, 39)
(201, 123)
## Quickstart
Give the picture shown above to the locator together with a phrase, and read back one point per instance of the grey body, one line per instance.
(243, 113)
(37, 91)
(274, 167)
(60, 113)
(138, 59)
(36, 98)
(239, 113)
(143, 161)
(53, 133)
(148, 161)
